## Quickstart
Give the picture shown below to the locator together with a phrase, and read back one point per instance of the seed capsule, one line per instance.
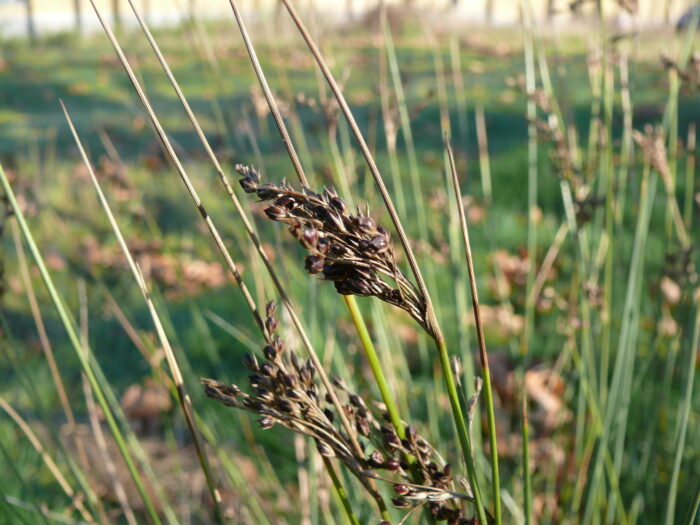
(366, 224)
(277, 344)
(314, 264)
(255, 380)
(339, 204)
(269, 353)
(250, 362)
(392, 464)
(285, 406)
(324, 449)
(400, 503)
(267, 192)
(363, 426)
(248, 184)
(323, 245)
(401, 489)
(271, 324)
(276, 213)
(267, 369)
(309, 238)
(266, 422)
(378, 243)
(376, 459)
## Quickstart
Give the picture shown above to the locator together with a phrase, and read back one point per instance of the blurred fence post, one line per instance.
(116, 14)
(549, 9)
(488, 13)
(78, 16)
(31, 28)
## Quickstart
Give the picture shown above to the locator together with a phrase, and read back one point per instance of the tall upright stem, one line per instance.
(488, 391)
(375, 365)
(462, 432)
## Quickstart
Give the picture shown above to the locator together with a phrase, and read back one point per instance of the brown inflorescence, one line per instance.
(284, 391)
(351, 250)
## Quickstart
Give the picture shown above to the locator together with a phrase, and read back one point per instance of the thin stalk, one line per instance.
(530, 80)
(39, 509)
(462, 432)
(46, 346)
(689, 178)
(286, 139)
(674, 87)
(104, 454)
(460, 91)
(526, 461)
(340, 491)
(75, 498)
(484, 161)
(624, 364)
(405, 127)
(390, 134)
(694, 510)
(684, 411)
(75, 342)
(627, 152)
(488, 391)
(182, 394)
(375, 365)
(41, 328)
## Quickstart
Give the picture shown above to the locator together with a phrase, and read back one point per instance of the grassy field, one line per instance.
(589, 300)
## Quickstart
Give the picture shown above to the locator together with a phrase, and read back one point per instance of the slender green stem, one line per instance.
(488, 391)
(531, 179)
(526, 462)
(375, 365)
(462, 432)
(694, 510)
(684, 412)
(689, 178)
(82, 356)
(342, 495)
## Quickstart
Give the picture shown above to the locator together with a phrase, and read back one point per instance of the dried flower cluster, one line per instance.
(552, 130)
(353, 251)
(284, 392)
(689, 75)
(562, 153)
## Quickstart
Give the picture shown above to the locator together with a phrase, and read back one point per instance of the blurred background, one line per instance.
(22, 16)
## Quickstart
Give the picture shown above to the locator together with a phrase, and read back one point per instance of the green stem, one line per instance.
(526, 462)
(462, 432)
(375, 365)
(82, 356)
(493, 440)
(684, 412)
(342, 495)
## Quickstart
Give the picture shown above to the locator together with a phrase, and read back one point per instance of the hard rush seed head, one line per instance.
(353, 251)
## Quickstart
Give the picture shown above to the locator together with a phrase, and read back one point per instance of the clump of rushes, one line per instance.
(284, 391)
(353, 251)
